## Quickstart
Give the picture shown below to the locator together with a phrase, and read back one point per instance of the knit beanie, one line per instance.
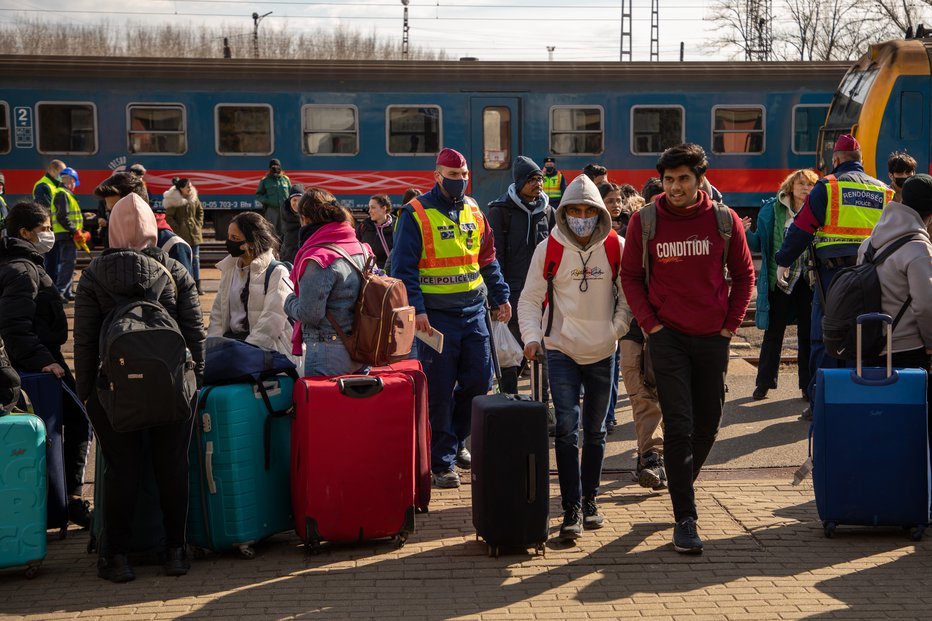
(917, 194)
(522, 169)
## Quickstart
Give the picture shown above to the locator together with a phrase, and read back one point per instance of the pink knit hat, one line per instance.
(132, 224)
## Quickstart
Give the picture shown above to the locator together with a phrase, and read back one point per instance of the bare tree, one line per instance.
(24, 36)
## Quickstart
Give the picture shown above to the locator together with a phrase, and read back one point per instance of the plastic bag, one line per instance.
(507, 347)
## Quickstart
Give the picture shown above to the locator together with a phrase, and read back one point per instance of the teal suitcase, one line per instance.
(240, 465)
(23, 492)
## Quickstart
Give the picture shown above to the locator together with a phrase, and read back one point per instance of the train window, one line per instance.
(156, 128)
(496, 138)
(244, 129)
(656, 128)
(807, 119)
(330, 130)
(738, 129)
(576, 130)
(910, 115)
(4, 127)
(65, 127)
(413, 130)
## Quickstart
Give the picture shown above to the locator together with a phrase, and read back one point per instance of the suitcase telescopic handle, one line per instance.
(887, 320)
(361, 387)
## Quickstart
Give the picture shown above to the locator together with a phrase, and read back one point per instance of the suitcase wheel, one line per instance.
(541, 549)
(493, 551)
(198, 552)
(33, 570)
(247, 552)
(916, 534)
(829, 528)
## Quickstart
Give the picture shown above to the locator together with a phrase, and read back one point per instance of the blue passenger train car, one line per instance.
(363, 128)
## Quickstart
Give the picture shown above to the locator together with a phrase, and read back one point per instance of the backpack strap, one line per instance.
(612, 246)
(271, 269)
(172, 241)
(648, 216)
(725, 223)
(370, 260)
(551, 264)
(877, 260)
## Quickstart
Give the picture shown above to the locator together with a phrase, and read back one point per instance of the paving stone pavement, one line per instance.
(765, 558)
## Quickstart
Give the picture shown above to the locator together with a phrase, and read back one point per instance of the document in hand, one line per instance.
(434, 341)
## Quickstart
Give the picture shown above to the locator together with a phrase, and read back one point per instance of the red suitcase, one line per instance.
(422, 479)
(352, 458)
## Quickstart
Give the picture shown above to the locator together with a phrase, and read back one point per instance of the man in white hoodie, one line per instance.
(576, 271)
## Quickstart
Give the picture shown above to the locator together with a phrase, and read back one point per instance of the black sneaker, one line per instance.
(447, 479)
(115, 568)
(79, 512)
(806, 414)
(572, 524)
(176, 562)
(686, 537)
(760, 393)
(610, 426)
(464, 459)
(650, 472)
(592, 519)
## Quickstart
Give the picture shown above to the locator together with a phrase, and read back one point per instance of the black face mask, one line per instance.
(235, 248)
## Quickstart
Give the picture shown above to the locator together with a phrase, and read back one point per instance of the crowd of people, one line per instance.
(594, 279)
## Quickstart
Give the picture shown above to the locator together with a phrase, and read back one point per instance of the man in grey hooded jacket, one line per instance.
(907, 273)
(520, 219)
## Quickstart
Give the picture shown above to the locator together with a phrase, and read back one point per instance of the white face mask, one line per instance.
(582, 227)
(45, 242)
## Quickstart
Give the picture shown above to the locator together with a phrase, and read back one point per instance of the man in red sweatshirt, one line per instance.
(689, 315)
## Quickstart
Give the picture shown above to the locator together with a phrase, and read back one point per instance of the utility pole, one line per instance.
(758, 27)
(625, 50)
(256, 18)
(654, 30)
(550, 49)
(404, 32)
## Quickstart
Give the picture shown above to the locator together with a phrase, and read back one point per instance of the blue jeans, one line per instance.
(566, 379)
(461, 372)
(66, 262)
(328, 357)
(613, 397)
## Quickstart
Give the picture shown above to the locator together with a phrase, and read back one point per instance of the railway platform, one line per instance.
(765, 558)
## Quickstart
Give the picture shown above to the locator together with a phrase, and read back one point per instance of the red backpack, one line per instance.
(552, 260)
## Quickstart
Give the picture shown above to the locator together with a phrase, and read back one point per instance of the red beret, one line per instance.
(451, 158)
(846, 142)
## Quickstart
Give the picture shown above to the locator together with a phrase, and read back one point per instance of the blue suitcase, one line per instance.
(45, 393)
(240, 465)
(23, 492)
(861, 418)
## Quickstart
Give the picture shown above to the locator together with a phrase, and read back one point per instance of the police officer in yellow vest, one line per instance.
(554, 182)
(838, 215)
(44, 189)
(444, 253)
(68, 225)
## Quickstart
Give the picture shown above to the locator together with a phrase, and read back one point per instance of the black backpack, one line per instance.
(146, 376)
(856, 291)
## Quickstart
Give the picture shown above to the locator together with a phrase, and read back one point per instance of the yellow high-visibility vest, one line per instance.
(449, 251)
(852, 211)
(74, 212)
(552, 185)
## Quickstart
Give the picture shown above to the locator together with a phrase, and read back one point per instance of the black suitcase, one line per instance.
(511, 470)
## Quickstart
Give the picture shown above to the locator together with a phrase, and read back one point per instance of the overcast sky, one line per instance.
(487, 29)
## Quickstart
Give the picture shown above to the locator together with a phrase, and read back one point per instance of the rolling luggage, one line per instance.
(511, 470)
(240, 464)
(45, 393)
(422, 478)
(352, 458)
(23, 492)
(861, 418)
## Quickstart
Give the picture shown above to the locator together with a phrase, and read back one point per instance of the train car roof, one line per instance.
(520, 75)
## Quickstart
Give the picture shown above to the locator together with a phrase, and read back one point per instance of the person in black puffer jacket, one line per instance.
(34, 327)
(521, 218)
(130, 265)
(288, 224)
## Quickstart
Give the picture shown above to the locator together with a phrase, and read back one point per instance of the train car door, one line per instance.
(495, 141)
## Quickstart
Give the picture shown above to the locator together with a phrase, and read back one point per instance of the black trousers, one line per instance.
(168, 450)
(76, 432)
(781, 304)
(690, 376)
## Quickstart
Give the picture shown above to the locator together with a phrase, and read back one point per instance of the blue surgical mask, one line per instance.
(582, 227)
(456, 188)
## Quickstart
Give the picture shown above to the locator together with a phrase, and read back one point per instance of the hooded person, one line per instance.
(520, 218)
(133, 268)
(586, 314)
(905, 275)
